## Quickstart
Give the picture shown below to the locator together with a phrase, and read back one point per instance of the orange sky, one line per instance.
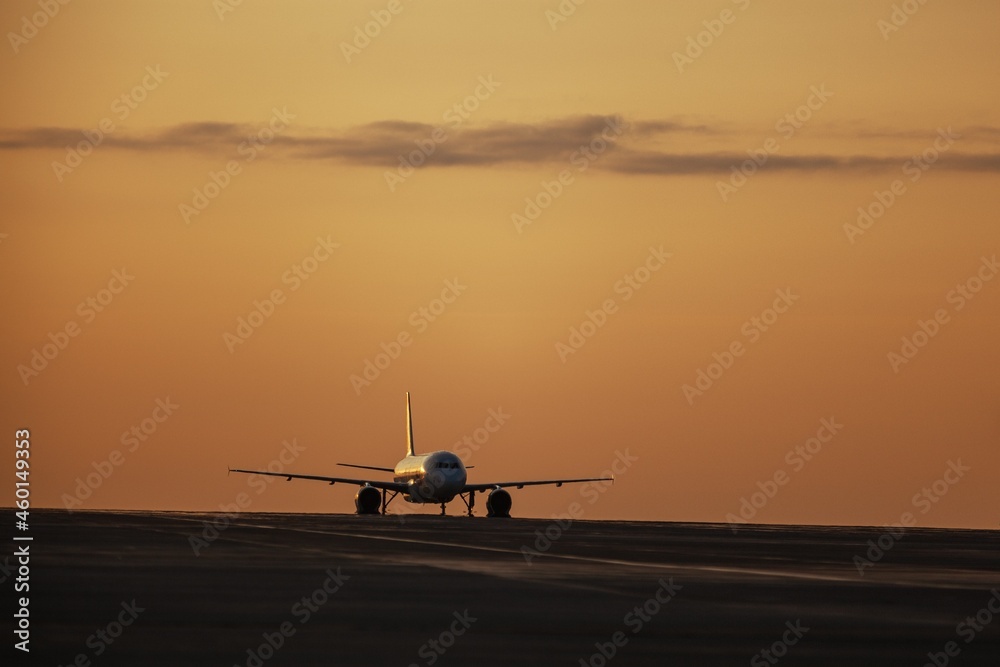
(233, 154)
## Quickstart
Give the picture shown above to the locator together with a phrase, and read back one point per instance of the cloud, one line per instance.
(193, 136)
(382, 144)
(675, 164)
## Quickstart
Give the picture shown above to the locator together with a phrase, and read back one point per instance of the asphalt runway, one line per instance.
(110, 588)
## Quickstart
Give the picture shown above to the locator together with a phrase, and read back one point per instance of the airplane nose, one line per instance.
(454, 481)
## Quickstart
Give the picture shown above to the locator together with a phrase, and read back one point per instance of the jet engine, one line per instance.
(498, 503)
(368, 500)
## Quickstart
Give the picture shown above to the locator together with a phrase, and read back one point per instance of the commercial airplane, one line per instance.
(426, 478)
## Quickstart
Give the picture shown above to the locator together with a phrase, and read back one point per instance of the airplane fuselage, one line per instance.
(431, 478)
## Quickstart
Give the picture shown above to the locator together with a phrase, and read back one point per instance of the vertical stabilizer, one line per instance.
(409, 428)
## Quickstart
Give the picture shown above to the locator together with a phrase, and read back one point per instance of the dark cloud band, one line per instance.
(382, 143)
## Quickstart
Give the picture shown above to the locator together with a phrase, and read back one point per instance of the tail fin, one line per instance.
(409, 428)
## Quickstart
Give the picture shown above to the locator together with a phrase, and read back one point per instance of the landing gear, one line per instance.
(385, 501)
(471, 502)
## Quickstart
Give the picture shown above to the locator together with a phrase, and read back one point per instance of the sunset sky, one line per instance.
(217, 217)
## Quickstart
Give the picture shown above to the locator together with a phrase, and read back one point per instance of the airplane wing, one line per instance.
(390, 486)
(520, 485)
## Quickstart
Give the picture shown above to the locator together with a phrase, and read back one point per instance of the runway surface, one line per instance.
(320, 589)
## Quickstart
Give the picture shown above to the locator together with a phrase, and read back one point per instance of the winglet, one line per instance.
(409, 428)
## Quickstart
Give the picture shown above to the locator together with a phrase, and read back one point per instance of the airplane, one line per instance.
(437, 477)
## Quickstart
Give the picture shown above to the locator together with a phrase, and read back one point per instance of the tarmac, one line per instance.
(172, 588)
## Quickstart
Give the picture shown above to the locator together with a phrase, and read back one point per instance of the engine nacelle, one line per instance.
(368, 500)
(498, 503)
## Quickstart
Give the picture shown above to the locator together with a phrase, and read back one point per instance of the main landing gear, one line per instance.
(372, 500)
(470, 502)
(385, 503)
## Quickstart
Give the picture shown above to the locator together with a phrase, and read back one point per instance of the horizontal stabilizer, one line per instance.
(354, 465)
